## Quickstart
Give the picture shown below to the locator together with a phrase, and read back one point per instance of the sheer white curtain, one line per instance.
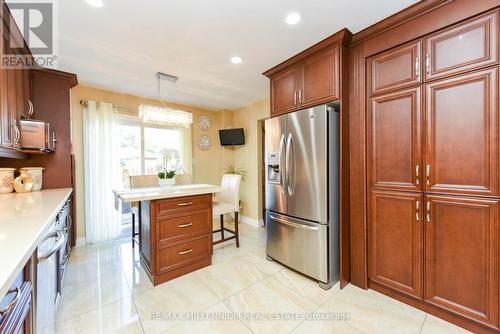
(101, 145)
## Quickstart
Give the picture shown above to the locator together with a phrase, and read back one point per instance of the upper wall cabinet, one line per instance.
(463, 47)
(15, 91)
(310, 78)
(395, 69)
(320, 78)
(309, 83)
(284, 89)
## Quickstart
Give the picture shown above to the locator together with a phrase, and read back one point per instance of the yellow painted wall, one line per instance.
(208, 166)
(249, 156)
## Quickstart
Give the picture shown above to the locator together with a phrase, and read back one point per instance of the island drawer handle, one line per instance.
(185, 204)
(12, 303)
(186, 252)
(185, 225)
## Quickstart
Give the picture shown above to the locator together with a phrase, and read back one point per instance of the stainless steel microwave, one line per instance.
(37, 135)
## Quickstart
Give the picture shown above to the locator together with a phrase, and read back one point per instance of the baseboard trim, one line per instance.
(251, 221)
(80, 241)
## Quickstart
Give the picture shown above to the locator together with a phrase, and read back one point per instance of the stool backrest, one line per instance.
(231, 193)
(143, 181)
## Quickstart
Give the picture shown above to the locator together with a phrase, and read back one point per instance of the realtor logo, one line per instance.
(32, 23)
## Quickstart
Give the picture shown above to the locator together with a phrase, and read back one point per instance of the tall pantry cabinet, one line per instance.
(433, 169)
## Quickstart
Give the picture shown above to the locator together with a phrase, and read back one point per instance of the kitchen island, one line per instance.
(175, 228)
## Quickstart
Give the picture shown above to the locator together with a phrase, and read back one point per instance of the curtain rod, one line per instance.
(84, 103)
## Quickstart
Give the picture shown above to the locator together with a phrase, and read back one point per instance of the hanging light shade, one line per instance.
(165, 116)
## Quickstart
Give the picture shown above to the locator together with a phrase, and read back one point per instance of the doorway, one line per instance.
(262, 171)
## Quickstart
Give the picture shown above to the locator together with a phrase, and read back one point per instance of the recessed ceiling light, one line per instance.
(293, 18)
(96, 3)
(236, 60)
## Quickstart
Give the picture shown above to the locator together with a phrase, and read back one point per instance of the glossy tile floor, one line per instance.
(106, 291)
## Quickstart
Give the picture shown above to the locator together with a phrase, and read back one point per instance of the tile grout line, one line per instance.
(90, 311)
(229, 308)
(423, 322)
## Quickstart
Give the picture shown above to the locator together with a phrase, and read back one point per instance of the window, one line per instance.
(143, 146)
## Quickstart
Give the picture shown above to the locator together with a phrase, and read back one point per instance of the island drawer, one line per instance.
(181, 254)
(183, 204)
(179, 227)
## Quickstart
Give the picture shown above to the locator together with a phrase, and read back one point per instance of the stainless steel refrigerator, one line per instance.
(302, 192)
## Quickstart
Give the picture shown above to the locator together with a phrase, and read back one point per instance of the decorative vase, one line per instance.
(23, 183)
(36, 174)
(6, 180)
(166, 183)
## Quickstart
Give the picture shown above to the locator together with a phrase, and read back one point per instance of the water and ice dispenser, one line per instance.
(273, 167)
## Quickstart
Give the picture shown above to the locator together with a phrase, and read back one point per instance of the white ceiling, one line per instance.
(122, 45)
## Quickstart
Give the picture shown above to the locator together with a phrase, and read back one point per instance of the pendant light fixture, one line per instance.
(162, 115)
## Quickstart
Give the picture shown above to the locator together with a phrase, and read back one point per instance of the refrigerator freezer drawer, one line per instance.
(298, 244)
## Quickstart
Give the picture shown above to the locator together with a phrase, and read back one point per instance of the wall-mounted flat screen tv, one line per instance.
(231, 137)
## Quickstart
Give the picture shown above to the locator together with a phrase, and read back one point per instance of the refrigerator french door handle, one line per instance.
(289, 170)
(290, 166)
(282, 164)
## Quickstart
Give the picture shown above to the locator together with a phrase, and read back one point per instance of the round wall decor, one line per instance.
(204, 142)
(204, 122)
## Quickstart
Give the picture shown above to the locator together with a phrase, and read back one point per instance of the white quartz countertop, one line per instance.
(152, 193)
(24, 218)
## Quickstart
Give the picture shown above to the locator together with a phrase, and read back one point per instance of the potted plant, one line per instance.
(232, 169)
(166, 178)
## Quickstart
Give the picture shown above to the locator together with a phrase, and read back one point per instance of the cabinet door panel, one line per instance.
(395, 69)
(466, 46)
(394, 141)
(8, 108)
(284, 87)
(462, 134)
(395, 241)
(461, 256)
(320, 78)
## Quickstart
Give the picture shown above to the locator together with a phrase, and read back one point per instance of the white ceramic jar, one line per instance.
(6, 180)
(36, 174)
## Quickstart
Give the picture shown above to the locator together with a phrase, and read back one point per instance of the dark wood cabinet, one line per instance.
(320, 78)
(176, 236)
(432, 170)
(309, 83)
(463, 47)
(284, 91)
(15, 92)
(462, 134)
(7, 111)
(462, 256)
(312, 77)
(395, 234)
(395, 69)
(395, 141)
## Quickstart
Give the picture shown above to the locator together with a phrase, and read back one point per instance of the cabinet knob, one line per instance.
(428, 212)
(417, 67)
(30, 108)
(428, 63)
(186, 252)
(417, 210)
(427, 175)
(417, 174)
(17, 134)
(295, 98)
